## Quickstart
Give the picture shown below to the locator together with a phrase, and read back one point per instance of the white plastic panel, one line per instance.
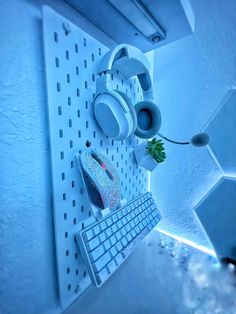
(71, 60)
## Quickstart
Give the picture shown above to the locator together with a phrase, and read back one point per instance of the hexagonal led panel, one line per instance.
(222, 131)
(217, 213)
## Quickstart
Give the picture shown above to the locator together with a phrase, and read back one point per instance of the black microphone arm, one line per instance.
(200, 139)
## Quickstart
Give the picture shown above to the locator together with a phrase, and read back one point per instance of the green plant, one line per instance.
(156, 150)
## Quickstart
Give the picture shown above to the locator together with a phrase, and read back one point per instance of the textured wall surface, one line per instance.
(192, 77)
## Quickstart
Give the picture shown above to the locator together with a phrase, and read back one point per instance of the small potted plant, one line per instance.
(150, 153)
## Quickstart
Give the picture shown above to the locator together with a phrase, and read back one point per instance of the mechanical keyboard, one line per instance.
(108, 242)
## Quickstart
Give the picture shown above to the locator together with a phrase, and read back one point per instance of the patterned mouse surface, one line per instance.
(101, 179)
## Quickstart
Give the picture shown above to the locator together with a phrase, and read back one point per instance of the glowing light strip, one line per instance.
(190, 243)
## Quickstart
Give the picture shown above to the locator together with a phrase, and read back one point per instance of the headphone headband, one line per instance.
(129, 61)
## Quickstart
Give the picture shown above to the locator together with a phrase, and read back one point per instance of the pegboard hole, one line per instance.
(82, 208)
(72, 164)
(79, 134)
(71, 144)
(85, 42)
(67, 252)
(73, 203)
(60, 133)
(68, 270)
(85, 84)
(65, 216)
(64, 196)
(77, 92)
(84, 273)
(92, 57)
(85, 64)
(99, 51)
(69, 287)
(63, 176)
(93, 77)
(67, 55)
(82, 225)
(94, 134)
(76, 255)
(72, 184)
(57, 62)
(68, 78)
(56, 37)
(58, 87)
(66, 235)
(87, 124)
(88, 143)
(62, 155)
(70, 123)
(76, 272)
(76, 48)
(78, 113)
(69, 101)
(77, 70)
(74, 221)
(86, 104)
(59, 111)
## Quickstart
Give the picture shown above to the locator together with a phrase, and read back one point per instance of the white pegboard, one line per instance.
(71, 60)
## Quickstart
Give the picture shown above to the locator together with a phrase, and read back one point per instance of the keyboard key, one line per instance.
(103, 225)
(113, 251)
(114, 218)
(101, 262)
(123, 231)
(112, 240)
(119, 224)
(118, 258)
(88, 235)
(132, 232)
(109, 221)
(107, 245)
(128, 237)
(114, 228)
(118, 246)
(118, 235)
(102, 276)
(128, 227)
(92, 244)
(111, 266)
(108, 232)
(119, 214)
(124, 242)
(96, 230)
(102, 236)
(95, 254)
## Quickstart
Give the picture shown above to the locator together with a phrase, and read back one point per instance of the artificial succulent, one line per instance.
(156, 150)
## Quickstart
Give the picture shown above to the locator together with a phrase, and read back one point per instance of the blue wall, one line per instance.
(192, 77)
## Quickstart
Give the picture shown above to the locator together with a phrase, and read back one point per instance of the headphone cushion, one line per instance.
(131, 108)
(113, 115)
(151, 110)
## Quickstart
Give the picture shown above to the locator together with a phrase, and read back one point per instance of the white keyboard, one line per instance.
(107, 243)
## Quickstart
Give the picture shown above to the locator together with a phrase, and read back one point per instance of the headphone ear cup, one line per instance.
(113, 115)
(148, 119)
(131, 108)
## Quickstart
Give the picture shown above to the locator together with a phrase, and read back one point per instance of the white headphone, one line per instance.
(113, 110)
